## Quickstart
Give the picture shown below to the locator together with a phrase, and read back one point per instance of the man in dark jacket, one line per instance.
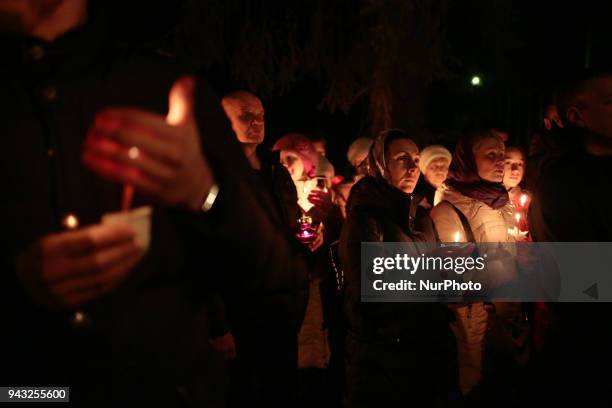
(571, 204)
(266, 340)
(89, 308)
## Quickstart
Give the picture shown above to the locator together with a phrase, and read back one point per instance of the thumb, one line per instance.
(181, 101)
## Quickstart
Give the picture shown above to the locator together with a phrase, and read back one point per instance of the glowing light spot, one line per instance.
(79, 317)
(523, 200)
(457, 237)
(71, 221)
(476, 81)
(133, 153)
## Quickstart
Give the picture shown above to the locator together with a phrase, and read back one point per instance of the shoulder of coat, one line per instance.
(465, 204)
(443, 208)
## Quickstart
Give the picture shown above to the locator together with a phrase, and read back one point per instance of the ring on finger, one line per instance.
(133, 152)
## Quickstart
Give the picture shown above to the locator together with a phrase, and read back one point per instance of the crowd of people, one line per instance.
(247, 288)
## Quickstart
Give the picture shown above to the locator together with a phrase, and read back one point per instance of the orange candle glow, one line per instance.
(70, 221)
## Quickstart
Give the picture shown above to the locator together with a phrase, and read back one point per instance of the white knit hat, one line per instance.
(433, 152)
(359, 147)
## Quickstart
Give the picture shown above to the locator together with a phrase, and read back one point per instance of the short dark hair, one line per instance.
(573, 85)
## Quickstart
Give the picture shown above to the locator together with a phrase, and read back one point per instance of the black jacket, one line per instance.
(426, 190)
(282, 301)
(377, 212)
(392, 346)
(571, 203)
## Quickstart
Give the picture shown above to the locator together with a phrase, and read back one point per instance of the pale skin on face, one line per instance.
(489, 156)
(293, 163)
(402, 158)
(436, 171)
(246, 114)
(514, 168)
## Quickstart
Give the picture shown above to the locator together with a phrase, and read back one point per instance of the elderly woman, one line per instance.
(318, 341)
(300, 158)
(435, 160)
(474, 206)
(396, 352)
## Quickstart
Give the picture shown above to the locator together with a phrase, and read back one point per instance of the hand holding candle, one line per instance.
(169, 164)
(69, 268)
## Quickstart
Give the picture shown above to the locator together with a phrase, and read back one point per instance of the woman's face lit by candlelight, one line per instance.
(293, 162)
(514, 168)
(402, 159)
(437, 170)
(489, 156)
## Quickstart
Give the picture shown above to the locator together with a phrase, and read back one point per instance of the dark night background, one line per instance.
(411, 60)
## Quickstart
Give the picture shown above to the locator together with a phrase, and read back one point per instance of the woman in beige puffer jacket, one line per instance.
(474, 192)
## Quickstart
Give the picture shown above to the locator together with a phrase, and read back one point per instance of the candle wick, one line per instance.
(127, 196)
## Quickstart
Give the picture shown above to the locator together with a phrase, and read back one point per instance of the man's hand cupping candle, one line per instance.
(159, 156)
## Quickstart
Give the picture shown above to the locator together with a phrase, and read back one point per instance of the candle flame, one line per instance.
(457, 236)
(517, 216)
(71, 221)
(523, 200)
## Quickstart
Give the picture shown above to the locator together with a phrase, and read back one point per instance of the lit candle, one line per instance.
(70, 222)
(306, 233)
(523, 200)
(79, 317)
(517, 216)
(457, 236)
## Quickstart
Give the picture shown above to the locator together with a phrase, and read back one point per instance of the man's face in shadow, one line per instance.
(592, 107)
(246, 115)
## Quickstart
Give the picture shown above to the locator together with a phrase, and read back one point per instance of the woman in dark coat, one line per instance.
(397, 353)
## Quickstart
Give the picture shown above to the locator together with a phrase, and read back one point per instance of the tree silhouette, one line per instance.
(383, 50)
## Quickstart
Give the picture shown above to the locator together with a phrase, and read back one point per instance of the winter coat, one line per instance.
(426, 190)
(391, 346)
(487, 225)
(574, 206)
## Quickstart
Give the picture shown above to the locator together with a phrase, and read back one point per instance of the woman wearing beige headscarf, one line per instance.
(397, 353)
